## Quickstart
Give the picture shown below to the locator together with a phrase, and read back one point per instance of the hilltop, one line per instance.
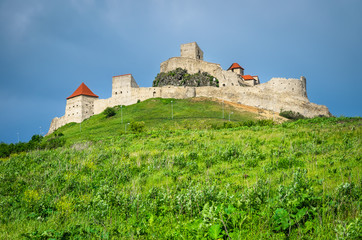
(166, 114)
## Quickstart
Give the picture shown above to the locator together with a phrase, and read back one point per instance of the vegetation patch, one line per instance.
(296, 180)
(143, 175)
(291, 115)
(180, 77)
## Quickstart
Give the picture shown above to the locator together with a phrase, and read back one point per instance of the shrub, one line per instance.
(137, 127)
(36, 138)
(54, 142)
(109, 112)
(291, 115)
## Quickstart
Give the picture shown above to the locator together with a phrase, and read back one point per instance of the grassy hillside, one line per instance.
(296, 180)
(194, 113)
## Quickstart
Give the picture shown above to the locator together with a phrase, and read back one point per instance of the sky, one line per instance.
(48, 48)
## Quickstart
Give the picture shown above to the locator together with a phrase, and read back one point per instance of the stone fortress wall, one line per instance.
(276, 94)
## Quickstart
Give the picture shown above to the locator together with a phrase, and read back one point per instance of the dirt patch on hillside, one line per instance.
(263, 113)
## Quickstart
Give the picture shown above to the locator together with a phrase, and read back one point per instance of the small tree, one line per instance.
(137, 127)
(36, 138)
(109, 112)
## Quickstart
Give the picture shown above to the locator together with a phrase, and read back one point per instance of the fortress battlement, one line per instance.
(276, 94)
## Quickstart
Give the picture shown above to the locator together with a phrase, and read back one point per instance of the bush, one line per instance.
(53, 143)
(291, 115)
(137, 127)
(109, 112)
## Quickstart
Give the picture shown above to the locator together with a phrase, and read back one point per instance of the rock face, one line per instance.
(180, 77)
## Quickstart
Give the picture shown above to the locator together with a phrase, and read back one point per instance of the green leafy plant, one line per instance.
(109, 112)
(137, 127)
(215, 232)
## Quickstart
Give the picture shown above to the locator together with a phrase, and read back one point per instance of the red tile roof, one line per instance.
(247, 77)
(235, 65)
(82, 90)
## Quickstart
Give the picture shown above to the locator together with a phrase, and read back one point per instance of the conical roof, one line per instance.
(235, 65)
(82, 90)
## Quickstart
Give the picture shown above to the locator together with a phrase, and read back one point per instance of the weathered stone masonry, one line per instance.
(276, 94)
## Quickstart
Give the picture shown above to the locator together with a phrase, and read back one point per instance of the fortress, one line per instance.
(275, 95)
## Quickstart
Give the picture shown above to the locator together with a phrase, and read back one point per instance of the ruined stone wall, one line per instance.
(57, 123)
(276, 95)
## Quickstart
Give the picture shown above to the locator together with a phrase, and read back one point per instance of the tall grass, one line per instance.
(297, 180)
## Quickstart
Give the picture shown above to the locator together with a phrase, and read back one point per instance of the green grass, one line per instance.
(296, 180)
(157, 114)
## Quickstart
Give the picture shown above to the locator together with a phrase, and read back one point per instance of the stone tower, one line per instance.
(192, 50)
(122, 84)
(80, 105)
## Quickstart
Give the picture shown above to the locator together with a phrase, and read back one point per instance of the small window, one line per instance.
(223, 85)
(116, 93)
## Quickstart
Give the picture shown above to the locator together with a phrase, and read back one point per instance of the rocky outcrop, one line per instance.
(180, 77)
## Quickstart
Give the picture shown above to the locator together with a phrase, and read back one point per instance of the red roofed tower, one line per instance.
(82, 90)
(80, 105)
(236, 68)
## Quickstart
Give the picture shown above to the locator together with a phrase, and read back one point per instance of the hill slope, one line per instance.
(158, 113)
(297, 180)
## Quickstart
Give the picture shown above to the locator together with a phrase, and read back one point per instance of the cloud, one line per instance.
(18, 17)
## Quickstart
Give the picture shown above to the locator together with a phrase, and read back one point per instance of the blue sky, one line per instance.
(48, 48)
